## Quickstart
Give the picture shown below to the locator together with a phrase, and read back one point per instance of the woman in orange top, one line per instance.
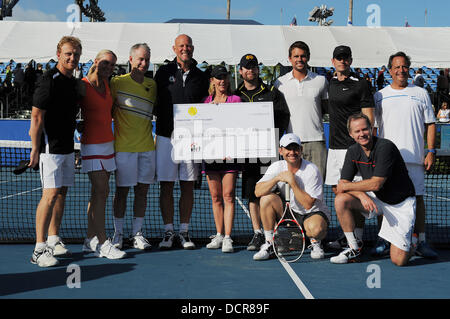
(97, 151)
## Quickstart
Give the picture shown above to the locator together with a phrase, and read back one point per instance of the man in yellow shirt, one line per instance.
(134, 97)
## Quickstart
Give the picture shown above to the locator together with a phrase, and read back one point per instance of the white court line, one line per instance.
(18, 194)
(243, 207)
(300, 285)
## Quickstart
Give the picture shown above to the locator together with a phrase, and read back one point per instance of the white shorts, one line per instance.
(57, 170)
(134, 168)
(335, 162)
(417, 174)
(166, 169)
(97, 157)
(398, 221)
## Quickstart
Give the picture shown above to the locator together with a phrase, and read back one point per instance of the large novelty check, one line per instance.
(226, 130)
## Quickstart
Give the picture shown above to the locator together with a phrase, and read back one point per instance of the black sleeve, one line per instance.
(42, 93)
(281, 111)
(366, 95)
(349, 169)
(385, 160)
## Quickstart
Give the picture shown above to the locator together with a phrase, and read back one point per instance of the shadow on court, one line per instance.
(22, 282)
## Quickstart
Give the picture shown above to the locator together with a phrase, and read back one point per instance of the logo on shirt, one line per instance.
(345, 89)
(172, 79)
(192, 111)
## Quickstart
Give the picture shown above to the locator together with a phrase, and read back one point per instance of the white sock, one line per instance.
(268, 234)
(351, 239)
(184, 227)
(118, 225)
(52, 240)
(40, 247)
(315, 241)
(168, 227)
(219, 235)
(137, 224)
(227, 236)
(258, 231)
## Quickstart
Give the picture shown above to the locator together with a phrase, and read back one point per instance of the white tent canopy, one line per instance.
(216, 43)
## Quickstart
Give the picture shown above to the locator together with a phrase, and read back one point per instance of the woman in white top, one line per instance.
(444, 113)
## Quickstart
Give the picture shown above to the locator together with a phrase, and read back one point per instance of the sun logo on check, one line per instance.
(192, 111)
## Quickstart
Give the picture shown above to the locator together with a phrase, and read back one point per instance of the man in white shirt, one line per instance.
(404, 115)
(305, 93)
(306, 187)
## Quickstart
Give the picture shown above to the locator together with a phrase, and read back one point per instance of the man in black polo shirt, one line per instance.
(178, 82)
(253, 89)
(348, 94)
(53, 120)
(386, 189)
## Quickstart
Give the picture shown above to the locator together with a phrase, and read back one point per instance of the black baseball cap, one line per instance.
(249, 61)
(342, 50)
(219, 72)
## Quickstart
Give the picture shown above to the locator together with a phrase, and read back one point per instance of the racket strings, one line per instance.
(288, 240)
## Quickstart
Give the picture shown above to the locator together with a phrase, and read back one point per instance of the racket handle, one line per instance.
(287, 192)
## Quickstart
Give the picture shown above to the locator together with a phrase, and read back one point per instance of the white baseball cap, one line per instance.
(289, 139)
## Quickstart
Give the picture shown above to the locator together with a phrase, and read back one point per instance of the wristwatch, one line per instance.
(432, 150)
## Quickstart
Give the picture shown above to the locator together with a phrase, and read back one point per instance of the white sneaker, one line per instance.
(346, 256)
(265, 252)
(216, 242)
(140, 242)
(108, 250)
(117, 240)
(44, 258)
(227, 245)
(167, 241)
(186, 241)
(59, 249)
(90, 245)
(316, 250)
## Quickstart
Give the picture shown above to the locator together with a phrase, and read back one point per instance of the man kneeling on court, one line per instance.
(306, 188)
(385, 189)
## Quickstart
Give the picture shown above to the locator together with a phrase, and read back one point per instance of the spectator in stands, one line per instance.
(78, 73)
(405, 116)
(39, 72)
(30, 79)
(444, 113)
(253, 89)
(97, 151)
(306, 193)
(179, 81)
(8, 78)
(347, 95)
(442, 88)
(19, 77)
(369, 82)
(222, 176)
(306, 94)
(386, 190)
(53, 121)
(419, 79)
(380, 78)
(134, 96)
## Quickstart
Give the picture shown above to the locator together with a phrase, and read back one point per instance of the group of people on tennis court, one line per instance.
(372, 174)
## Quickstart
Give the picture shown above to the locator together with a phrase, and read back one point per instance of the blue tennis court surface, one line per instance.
(211, 274)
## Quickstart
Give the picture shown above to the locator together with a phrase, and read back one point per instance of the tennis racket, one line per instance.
(288, 236)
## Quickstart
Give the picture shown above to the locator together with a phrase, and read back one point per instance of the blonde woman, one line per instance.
(221, 176)
(97, 151)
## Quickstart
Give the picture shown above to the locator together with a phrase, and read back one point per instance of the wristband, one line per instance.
(432, 151)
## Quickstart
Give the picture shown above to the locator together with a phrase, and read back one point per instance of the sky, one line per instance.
(418, 13)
